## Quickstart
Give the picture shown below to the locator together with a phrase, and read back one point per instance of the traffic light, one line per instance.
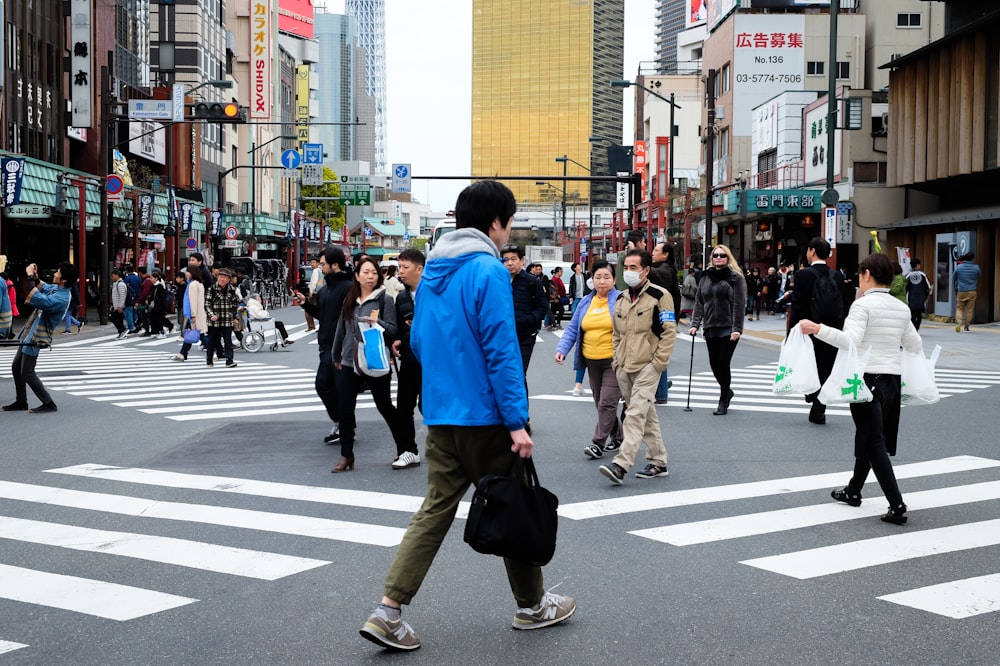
(219, 112)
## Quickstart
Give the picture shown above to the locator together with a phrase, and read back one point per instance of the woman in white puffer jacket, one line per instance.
(880, 323)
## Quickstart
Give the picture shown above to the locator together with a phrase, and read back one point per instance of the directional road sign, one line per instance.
(400, 177)
(355, 190)
(313, 153)
(290, 159)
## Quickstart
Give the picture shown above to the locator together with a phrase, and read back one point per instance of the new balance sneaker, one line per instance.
(593, 451)
(613, 471)
(406, 460)
(392, 634)
(333, 437)
(552, 609)
(846, 497)
(231, 364)
(612, 446)
(651, 471)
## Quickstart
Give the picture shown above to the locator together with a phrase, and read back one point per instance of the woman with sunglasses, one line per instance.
(719, 308)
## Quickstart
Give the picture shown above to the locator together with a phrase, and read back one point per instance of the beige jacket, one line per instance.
(635, 343)
(196, 296)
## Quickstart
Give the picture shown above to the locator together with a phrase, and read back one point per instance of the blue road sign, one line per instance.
(313, 153)
(290, 159)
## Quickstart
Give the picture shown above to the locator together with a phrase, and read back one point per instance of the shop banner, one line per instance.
(13, 176)
(187, 217)
(145, 211)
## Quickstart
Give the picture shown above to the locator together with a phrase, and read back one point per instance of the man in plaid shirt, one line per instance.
(220, 306)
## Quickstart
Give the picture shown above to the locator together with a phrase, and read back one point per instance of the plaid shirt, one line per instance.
(222, 302)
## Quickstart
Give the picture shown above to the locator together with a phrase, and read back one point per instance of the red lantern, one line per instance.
(731, 230)
(763, 226)
(807, 222)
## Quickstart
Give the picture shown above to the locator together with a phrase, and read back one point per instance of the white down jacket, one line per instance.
(881, 323)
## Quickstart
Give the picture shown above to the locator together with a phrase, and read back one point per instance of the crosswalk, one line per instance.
(103, 494)
(957, 599)
(752, 388)
(140, 374)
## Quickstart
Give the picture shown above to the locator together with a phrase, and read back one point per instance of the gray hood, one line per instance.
(463, 241)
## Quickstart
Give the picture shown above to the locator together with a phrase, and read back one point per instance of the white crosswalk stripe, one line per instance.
(752, 386)
(61, 589)
(953, 598)
(174, 390)
(10, 646)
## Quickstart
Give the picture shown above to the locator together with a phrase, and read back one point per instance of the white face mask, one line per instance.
(590, 284)
(632, 278)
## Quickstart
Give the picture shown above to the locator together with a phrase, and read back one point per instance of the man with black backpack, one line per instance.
(819, 296)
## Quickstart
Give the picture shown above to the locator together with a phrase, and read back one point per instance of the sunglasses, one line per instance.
(719, 256)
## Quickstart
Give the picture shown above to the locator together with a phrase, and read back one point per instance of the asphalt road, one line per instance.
(175, 514)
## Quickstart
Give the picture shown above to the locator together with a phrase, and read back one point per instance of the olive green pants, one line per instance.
(456, 457)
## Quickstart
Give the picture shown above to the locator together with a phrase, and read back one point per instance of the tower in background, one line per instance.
(541, 74)
(670, 21)
(370, 16)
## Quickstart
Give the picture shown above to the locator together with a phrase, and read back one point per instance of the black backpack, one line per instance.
(129, 294)
(827, 306)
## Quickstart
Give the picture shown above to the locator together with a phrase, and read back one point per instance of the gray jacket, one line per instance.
(343, 341)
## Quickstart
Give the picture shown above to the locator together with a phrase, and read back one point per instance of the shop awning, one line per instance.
(948, 217)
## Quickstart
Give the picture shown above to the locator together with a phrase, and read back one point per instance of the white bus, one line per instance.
(440, 229)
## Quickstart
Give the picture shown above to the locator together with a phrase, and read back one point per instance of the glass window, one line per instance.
(815, 68)
(908, 20)
(843, 70)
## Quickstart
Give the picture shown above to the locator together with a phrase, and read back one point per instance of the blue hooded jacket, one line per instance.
(464, 337)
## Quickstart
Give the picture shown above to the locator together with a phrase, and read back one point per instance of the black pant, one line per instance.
(118, 319)
(558, 309)
(825, 355)
(720, 356)
(349, 385)
(158, 320)
(916, 316)
(326, 385)
(22, 371)
(142, 318)
(876, 426)
(408, 379)
(223, 334)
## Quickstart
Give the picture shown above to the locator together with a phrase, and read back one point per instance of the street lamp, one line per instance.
(625, 83)
(215, 83)
(565, 160)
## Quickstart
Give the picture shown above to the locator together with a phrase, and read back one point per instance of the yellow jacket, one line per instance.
(635, 341)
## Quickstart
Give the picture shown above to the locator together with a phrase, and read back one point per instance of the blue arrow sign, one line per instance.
(290, 159)
(313, 153)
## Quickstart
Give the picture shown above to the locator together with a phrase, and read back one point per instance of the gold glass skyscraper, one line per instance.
(540, 88)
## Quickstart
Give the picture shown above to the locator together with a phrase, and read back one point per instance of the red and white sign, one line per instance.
(115, 187)
(296, 17)
(231, 233)
(261, 58)
(639, 166)
(768, 59)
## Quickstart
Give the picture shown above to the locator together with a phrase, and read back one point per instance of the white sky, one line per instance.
(429, 76)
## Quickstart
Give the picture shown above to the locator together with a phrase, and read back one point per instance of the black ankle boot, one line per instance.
(723, 407)
(895, 515)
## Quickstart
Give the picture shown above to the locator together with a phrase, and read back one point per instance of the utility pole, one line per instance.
(709, 140)
(830, 195)
(108, 137)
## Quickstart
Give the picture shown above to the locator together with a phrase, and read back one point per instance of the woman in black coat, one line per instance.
(719, 308)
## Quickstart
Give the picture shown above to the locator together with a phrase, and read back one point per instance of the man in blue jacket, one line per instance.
(966, 277)
(475, 406)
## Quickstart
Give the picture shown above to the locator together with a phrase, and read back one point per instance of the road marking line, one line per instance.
(181, 552)
(187, 398)
(768, 522)
(324, 495)
(198, 407)
(957, 599)
(209, 373)
(82, 595)
(815, 562)
(265, 521)
(254, 412)
(736, 491)
(169, 389)
(9, 646)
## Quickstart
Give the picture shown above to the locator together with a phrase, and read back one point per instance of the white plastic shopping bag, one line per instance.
(796, 365)
(918, 385)
(846, 383)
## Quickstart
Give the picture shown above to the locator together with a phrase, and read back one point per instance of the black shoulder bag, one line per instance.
(513, 516)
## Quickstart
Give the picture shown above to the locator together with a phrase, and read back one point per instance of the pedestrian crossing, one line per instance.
(957, 599)
(104, 493)
(104, 500)
(752, 386)
(139, 374)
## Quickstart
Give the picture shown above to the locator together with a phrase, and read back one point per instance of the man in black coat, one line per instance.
(802, 308)
(410, 374)
(664, 274)
(330, 301)
(530, 301)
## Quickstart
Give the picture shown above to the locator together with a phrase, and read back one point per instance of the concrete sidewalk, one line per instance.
(975, 350)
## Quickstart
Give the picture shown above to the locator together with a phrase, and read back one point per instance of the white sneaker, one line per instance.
(161, 336)
(577, 392)
(179, 357)
(405, 460)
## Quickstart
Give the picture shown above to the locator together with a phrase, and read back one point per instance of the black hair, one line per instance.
(412, 255)
(196, 273)
(481, 203)
(347, 312)
(599, 264)
(879, 266)
(645, 258)
(914, 263)
(141, 270)
(635, 236)
(390, 271)
(573, 266)
(197, 255)
(516, 249)
(334, 256)
(70, 273)
(116, 271)
(820, 247)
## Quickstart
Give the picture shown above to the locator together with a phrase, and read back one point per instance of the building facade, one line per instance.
(540, 90)
(370, 17)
